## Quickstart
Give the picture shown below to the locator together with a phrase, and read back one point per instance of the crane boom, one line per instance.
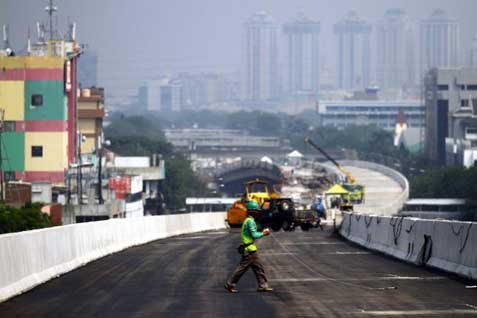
(348, 174)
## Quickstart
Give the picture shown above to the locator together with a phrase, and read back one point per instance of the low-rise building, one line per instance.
(218, 139)
(91, 112)
(381, 113)
(151, 176)
(370, 112)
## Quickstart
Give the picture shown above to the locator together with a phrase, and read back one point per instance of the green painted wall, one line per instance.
(54, 101)
(13, 147)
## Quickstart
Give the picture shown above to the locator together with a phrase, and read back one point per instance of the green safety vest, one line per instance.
(249, 234)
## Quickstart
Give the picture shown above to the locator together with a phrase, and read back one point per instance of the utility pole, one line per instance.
(2, 192)
(80, 172)
(100, 179)
(99, 151)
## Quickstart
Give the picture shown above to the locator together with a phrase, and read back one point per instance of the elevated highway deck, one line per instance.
(381, 190)
(315, 274)
(386, 189)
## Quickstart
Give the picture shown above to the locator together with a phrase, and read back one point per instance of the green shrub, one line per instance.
(26, 218)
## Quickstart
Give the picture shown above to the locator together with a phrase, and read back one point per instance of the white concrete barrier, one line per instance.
(30, 258)
(447, 245)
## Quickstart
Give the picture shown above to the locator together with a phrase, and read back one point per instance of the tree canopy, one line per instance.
(26, 218)
(453, 182)
(127, 139)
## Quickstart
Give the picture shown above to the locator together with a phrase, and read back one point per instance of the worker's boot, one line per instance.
(231, 288)
(265, 289)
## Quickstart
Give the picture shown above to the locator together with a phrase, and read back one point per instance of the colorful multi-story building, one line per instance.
(38, 97)
(90, 118)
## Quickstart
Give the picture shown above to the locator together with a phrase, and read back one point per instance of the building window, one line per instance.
(37, 151)
(472, 87)
(464, 103)
(36, 100)
(9, 176)
(9, 126)
(443, 87)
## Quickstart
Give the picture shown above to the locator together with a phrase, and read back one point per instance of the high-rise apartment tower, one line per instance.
(260, 69)
(353, 52)
(303, 54)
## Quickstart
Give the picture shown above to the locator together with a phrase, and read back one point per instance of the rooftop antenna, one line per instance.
(51, 8)
(40, 28)
(29, 41)
(72, 32)
(5, 36)
(57, 33)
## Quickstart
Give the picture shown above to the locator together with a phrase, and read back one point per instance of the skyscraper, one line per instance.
(353, 52)
(395, 51)
(260, 70)
(303, 54)
(439, 38)
(473, 53)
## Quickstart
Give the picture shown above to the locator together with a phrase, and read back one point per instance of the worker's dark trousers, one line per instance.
(250, 260)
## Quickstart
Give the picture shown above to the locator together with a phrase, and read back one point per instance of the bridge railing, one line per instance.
(447, 245)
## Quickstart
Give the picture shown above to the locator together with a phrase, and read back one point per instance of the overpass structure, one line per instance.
(232, 178)
(315, 273)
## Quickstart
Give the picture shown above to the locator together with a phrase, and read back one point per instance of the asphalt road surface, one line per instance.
(315, 274)
(381, 191)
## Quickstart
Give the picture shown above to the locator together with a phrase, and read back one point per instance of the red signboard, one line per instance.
(120, 185)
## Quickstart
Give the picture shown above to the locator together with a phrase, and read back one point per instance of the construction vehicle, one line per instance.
(276, 212)
(356, 191)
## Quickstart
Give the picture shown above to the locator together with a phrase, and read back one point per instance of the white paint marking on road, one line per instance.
(473, 307)
(275, 254)
(191, 237)
(346, 253)
(314, 243)
(441, 313)
(332, 253)
(318, 279)
(204, 235)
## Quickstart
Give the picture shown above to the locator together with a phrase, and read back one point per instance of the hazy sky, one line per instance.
(141, 39)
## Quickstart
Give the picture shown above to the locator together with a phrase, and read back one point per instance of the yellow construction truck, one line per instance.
(276, 212)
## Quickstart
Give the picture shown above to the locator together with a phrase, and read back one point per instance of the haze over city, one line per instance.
(150, 150)
(142, 40)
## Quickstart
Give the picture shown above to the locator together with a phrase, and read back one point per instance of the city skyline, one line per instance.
(148, 46)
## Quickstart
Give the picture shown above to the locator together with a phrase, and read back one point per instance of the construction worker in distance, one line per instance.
(248, 249)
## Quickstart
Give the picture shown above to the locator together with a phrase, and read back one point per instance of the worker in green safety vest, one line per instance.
(248, 249)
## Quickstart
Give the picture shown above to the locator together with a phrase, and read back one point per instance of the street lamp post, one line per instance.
(2, 189)
(100, 183)
(100, 160)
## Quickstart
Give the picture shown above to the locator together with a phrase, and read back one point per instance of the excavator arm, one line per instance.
(348, 174)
